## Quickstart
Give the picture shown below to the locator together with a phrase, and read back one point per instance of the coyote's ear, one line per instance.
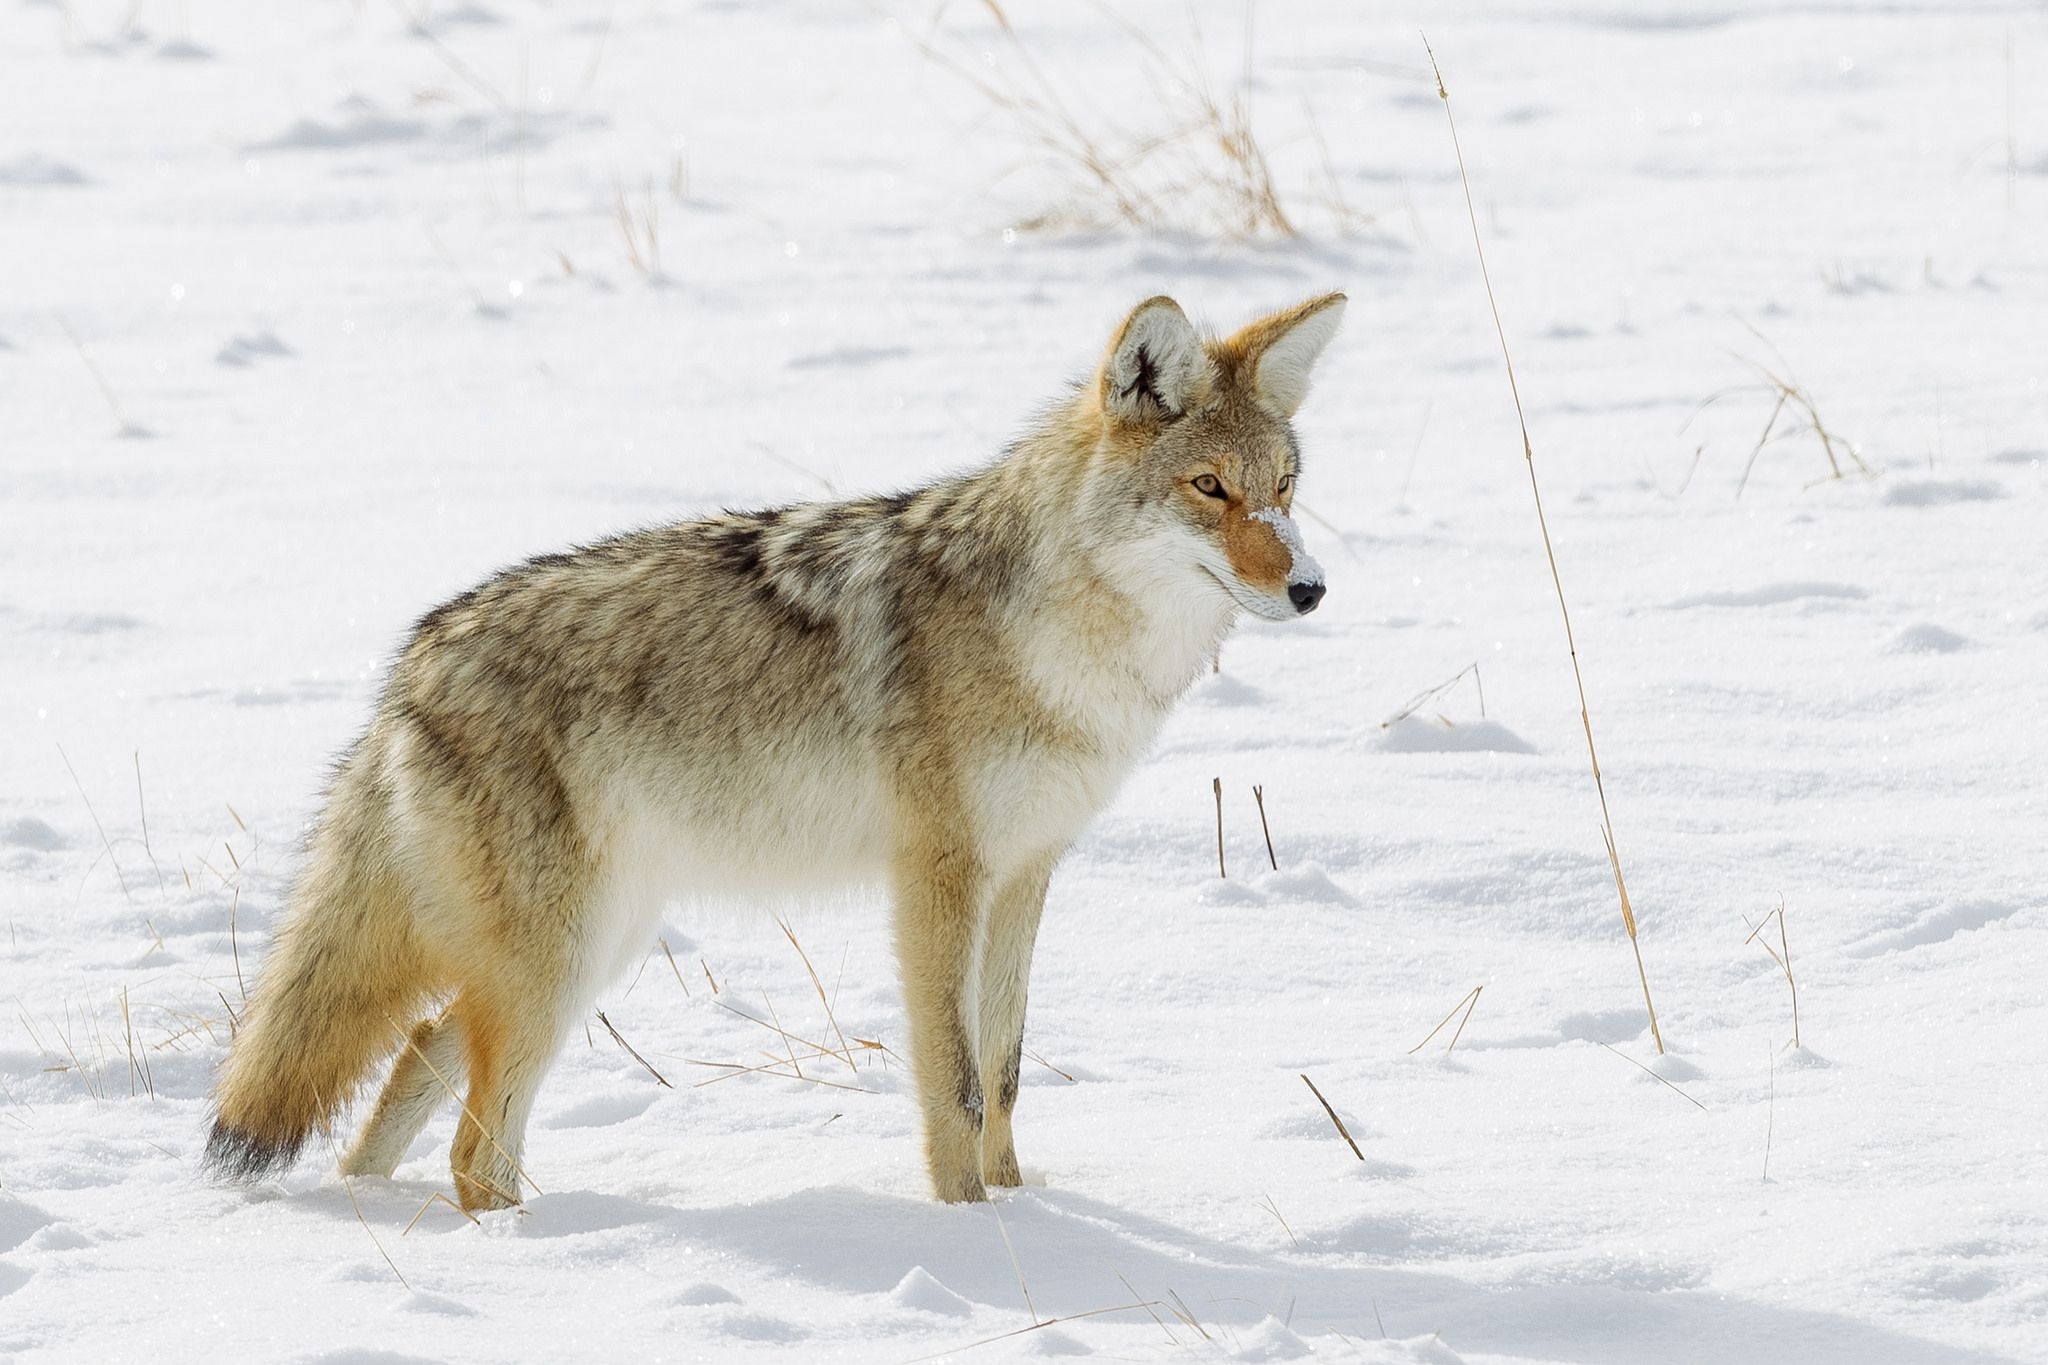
(1278, 353)
(1153, 365)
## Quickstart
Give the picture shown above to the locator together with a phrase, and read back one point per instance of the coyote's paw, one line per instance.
(483, 1191)
(960, 1187)
(1001, 1169)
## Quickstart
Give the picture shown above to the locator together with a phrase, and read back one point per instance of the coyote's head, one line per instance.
(1195, 440)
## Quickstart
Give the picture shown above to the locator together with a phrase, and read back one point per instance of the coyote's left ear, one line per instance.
(1278, 353)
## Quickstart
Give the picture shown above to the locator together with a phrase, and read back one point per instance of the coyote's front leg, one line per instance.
(1006, 943)
(939, 891)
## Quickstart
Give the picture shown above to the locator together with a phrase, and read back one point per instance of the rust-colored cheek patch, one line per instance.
(1255, 552)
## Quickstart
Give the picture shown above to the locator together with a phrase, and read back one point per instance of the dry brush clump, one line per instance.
(1193, 161)
(1792, 413)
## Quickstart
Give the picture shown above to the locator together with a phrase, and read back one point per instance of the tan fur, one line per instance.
(932, 691)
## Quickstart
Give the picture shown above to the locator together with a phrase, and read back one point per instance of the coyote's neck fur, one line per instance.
(1046, 545)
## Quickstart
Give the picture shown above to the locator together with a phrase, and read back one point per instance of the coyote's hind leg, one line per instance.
(410, 1097)
(510, 1037)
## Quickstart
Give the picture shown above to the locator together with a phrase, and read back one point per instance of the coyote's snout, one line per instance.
(932, 690)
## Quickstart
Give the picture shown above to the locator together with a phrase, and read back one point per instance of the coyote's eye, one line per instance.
(1211, 485)
(1286, 484)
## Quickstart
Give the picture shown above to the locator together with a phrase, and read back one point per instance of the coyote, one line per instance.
(931, 691)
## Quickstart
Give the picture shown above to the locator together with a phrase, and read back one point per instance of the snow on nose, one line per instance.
(1304, 572)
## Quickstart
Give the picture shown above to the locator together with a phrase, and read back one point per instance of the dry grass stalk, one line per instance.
(138, 1065)
(1342, 1131)
(788, 1039)
(790, 1058)
(1044, 1063)
(29, 1026)
(819, 986)
(142, 809)
(1470, 1001)
(674, 968)
(483, 306)
(1179, 1308)
(1216, 785)
(415, 24)
(1628, 914)
(778, 1030)
(123, 427)
(887, 1052)
(631, 1051)
(641, 230)
(439, 1198)
(1343, 536)
(235, 943)
(1771, 1113)
(1038, 1325)
(1655, 1077)
(597, 49)
(1429, 694)
(105, 842)
(1334, 200)
(1259, 795)
(1148, 1309)
(348, 1188)
(93, 1078)
(776, 1066)
(1782, 958)
(192, 1025)
(1003, 1230)
(1274, 1209)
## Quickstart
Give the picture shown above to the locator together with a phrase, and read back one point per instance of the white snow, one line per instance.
(307, 323)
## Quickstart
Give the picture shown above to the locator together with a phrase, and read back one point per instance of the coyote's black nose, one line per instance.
(1305, 596)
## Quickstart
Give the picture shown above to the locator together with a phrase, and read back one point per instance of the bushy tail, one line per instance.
(337, 991)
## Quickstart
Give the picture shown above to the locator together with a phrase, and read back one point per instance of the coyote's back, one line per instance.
(931, 690)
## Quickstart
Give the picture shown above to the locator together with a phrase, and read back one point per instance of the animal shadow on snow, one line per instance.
(1073, 1249)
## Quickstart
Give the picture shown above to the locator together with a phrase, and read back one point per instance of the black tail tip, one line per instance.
(235, 1155)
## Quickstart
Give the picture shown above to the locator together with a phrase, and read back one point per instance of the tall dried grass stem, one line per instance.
(1628, 914)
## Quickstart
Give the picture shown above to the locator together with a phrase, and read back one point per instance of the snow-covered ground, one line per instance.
(309, 320)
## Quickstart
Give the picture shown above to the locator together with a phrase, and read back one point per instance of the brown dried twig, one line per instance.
(1342, 1131)
(1259, 795)
(619, 1038)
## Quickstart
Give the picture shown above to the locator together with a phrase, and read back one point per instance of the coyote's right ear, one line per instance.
(1153, 365)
